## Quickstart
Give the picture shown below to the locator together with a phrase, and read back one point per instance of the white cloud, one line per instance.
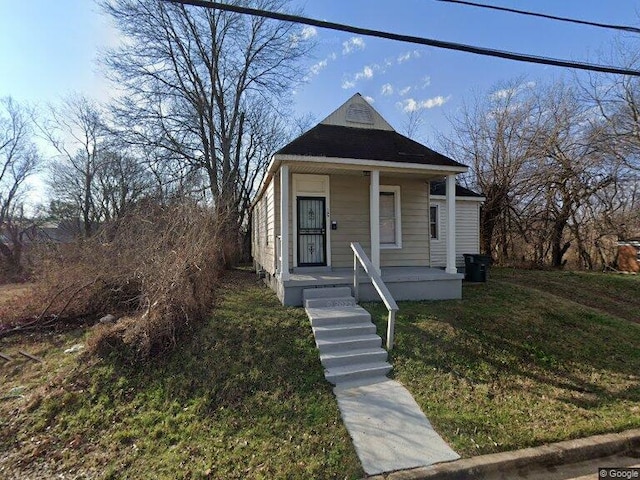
(367, 72)
(387, 89)
(353, 44)
(410, 105)
(503, 93)
(403, 57)
(308, 32)
(346, 84)
(369, 99)
(509, 92)
(426, 81)
(404, 91)
(318, 67)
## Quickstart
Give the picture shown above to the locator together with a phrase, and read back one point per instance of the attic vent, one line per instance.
(358, 113)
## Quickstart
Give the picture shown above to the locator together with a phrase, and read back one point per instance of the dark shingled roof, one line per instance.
(366, 144)
(440, 188)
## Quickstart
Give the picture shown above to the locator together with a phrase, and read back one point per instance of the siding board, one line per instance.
(467, 232)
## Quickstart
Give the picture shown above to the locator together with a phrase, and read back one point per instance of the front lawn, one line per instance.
(511, 366)
(615, 294)
(245, 398)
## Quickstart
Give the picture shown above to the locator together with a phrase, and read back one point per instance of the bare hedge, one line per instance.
(155, 270)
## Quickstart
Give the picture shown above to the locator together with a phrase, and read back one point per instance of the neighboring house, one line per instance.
(628, 256)
(353, 178)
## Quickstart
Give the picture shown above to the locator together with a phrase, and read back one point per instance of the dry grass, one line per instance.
(155, 269)
(245, 398)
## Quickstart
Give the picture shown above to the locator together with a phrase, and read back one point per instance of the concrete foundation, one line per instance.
(404, 283)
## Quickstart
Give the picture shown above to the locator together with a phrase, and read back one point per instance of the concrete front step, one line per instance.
(330, 302)
(331, 292)
(353, 357)
(343, 330)
(337, 315)
(345, 344)
(350, 350)
(350, 373)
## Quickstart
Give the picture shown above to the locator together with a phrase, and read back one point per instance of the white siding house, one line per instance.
(467, 224)
(352, 179)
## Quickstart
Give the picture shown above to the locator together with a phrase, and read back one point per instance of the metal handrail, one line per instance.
(360, 257)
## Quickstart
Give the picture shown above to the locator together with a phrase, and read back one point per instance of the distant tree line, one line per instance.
(201, 106)
(559, 166)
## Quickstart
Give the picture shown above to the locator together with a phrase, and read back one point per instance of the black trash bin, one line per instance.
(476, 267)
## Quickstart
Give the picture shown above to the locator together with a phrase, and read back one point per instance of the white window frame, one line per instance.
(395, 189)
(437, 221)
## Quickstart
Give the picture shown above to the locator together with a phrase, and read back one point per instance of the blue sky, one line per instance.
(48, 49)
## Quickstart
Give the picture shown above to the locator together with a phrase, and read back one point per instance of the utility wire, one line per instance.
(411, 39)
(624, 28)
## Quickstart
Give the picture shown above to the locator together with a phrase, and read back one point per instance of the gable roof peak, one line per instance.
(357, 113)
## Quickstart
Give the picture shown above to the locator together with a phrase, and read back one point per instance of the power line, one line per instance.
(624, 28)
(411, 39)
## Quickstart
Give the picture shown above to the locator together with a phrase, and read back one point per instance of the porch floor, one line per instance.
(404, 283)
(344, 276)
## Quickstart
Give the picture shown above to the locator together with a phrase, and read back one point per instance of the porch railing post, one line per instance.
(390, 329)
(360, 258)
(356, 279)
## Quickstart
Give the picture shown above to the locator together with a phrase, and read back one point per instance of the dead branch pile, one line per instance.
(155, 269)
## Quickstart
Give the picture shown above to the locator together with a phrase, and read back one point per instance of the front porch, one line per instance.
(404, 283)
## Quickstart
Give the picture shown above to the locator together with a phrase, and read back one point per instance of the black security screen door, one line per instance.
(312, 232)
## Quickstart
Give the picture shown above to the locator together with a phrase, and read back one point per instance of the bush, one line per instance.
(155, 269)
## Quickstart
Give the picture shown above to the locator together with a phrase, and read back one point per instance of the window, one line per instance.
(433, 221)
(390, 225)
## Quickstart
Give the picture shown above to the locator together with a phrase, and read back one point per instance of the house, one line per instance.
(353, 179)
(467, 223)
(628, 256)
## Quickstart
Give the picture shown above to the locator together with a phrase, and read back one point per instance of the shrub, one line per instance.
(155, 269)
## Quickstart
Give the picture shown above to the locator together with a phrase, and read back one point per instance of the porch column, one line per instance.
(374, 218)
(284, 222)
(451, 224)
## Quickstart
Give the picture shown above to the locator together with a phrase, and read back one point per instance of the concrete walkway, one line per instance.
(388, 429)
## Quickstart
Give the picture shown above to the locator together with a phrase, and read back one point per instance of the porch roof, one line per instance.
(336, 141)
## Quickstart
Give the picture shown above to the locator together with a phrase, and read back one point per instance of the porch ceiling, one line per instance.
(332, 169)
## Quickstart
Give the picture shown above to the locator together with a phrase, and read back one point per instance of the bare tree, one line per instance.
(540, 155)
(616, 100)
(489, 136)
(19, 159)
(120, 182)
(76, 130)
(203, 86)
(570, 166)
(413, 122)
(94, 178)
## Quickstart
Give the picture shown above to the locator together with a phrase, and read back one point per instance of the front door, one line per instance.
(312, 232)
